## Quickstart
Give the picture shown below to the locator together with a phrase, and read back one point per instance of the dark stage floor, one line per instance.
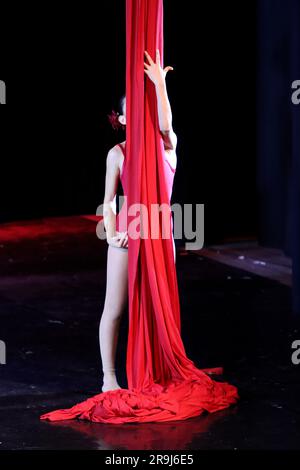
(51, 296)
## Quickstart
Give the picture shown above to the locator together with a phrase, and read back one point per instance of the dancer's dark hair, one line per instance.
(113, 117)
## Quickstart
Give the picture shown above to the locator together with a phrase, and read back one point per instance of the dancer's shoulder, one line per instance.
(114, 158)
(114, 155)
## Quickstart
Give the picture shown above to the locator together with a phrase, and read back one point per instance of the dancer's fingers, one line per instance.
(167, 69)
(157, 56)
(125, 241)
(123, 238)
(149, 58)
(147, 66)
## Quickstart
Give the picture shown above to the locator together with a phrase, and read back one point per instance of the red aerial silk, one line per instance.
(163, 384)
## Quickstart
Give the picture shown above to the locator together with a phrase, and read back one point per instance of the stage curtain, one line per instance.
(278, 130)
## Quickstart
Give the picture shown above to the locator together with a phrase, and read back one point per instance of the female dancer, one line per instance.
(163, 383)
(117, 255)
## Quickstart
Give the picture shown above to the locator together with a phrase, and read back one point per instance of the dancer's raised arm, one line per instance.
(158, 76)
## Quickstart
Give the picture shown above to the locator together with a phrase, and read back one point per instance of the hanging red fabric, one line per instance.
(163, 383)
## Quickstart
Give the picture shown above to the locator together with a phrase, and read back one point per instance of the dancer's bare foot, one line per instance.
(110, 382)
(107, 388)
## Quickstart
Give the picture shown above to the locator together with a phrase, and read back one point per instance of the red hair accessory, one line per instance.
(113, 118)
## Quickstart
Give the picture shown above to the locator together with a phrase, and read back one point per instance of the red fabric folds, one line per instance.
(163, 383)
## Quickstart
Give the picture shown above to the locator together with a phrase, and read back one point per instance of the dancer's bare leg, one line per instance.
(115, 302)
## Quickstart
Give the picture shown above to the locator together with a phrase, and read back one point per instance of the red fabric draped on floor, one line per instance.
(163, 384)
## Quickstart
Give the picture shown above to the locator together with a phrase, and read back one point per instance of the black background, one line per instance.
(65, 71)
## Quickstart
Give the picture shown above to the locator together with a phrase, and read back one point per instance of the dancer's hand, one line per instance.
(154, 70)
(120, 240)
